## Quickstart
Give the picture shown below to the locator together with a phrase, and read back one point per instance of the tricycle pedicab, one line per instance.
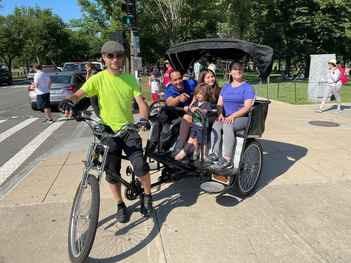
(247, 158)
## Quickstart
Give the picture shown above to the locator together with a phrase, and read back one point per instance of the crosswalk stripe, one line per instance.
(11, 165)
(1, 121)
(16, 128)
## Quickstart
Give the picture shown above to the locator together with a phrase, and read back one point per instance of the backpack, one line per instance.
(343, 77)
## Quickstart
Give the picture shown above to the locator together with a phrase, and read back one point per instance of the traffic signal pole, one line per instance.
(130, 21)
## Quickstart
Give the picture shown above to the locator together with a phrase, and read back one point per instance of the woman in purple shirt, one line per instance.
(235, 100)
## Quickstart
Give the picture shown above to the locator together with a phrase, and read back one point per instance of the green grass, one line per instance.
(294, 92)
(291, 92)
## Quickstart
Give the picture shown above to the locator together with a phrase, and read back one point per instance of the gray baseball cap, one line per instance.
(112, 47)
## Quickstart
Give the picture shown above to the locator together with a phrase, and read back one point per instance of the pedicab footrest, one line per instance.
(223, 179)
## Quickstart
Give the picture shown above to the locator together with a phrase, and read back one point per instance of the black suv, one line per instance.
(5, 77)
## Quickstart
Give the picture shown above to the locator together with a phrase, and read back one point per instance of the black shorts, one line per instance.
(131, 144)
(198, 132)
(43, 101)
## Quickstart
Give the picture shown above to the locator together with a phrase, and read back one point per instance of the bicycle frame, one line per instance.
(92, 156)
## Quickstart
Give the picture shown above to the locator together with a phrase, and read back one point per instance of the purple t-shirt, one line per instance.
(234, 97)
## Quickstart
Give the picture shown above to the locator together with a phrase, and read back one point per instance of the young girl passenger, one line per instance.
(198, 132)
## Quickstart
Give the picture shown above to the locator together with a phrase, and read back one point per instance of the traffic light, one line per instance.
(128, 20)
(129, 8)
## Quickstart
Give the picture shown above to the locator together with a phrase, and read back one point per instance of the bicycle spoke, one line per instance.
(250, 168)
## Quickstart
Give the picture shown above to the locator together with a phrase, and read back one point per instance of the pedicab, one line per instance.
(247, 157)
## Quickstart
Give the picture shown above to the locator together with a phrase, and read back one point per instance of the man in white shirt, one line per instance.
(42, 85)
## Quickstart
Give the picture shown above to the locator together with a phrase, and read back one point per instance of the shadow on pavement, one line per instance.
(278, 157)
(130, 238)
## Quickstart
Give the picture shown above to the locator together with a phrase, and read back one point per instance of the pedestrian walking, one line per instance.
(42, 84)
(333, 86)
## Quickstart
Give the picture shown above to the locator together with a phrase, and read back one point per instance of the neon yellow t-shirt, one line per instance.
(115, 95)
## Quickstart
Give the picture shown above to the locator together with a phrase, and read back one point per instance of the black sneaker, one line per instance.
(212, 157)
(146, 206)
(122, 213)
(222, 164)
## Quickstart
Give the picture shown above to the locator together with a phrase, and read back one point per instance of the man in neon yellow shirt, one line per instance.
(116, 91)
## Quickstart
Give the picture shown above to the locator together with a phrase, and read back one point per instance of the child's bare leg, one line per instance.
(188, 149)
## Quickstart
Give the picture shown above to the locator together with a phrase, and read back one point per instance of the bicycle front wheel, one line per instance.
(83, 220)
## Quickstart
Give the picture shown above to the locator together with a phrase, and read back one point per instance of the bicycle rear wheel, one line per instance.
(250, 168)
(83, 220)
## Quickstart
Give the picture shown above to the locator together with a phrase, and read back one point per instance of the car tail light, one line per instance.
(72, 88)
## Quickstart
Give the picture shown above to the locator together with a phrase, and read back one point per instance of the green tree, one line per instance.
(86, 33)
(46, 36)
(12, 34)
(298, 28)
(237, 18)
(32, 35)
(103, 16)
(160, 22)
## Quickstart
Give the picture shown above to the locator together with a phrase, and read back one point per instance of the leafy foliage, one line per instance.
(294, 28)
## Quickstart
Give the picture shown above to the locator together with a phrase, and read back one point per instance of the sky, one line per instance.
(66, 9)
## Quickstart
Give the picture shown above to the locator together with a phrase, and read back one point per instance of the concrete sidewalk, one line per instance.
(300, 213)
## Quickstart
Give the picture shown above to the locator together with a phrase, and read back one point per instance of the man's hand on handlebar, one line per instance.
(143, 124)
(66, 105)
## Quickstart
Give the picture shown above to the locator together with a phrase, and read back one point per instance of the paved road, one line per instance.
(300, 212)
(24, 138)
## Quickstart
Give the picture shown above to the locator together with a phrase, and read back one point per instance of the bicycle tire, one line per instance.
(250, 171)
(89, 235)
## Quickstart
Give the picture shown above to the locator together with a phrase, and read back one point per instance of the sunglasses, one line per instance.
(115, 55)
